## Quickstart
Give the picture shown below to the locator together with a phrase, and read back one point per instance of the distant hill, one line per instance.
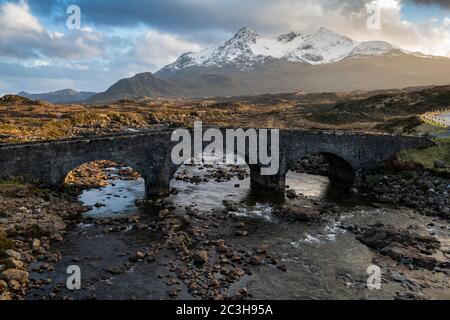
(61, 96)
(11, 99)
(143, 84)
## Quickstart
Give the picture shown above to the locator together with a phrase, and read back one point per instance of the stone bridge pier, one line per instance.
(149, 153)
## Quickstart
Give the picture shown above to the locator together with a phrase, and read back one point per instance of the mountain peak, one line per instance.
(288, 37)
(246, 34)
(325, 30)
(245, 31)
(327, 34)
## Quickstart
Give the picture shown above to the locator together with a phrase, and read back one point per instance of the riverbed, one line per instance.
(310, 260)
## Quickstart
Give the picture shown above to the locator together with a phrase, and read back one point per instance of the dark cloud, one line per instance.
(442, 3)
(191, 17)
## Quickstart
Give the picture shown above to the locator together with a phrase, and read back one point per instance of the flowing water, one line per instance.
(323, 261)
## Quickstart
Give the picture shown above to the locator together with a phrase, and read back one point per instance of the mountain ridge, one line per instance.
(247, 49)
(60, 96)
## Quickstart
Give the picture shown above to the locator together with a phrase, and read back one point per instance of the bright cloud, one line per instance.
(23, 36)
(17, 16)
(158, 49)
(446, 22)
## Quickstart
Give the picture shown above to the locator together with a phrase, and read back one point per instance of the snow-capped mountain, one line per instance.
(247, 49)
(249, 64)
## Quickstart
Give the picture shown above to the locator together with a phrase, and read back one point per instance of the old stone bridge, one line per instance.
(149, 153)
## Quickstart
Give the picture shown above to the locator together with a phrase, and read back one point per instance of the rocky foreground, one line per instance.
(194, 255)
(31, 220)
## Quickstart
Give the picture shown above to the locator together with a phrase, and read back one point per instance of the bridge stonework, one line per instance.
(149, 153)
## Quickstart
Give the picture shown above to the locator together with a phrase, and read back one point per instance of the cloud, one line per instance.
(23, 36)
(157, 49)
(446, 22)
(121, 38)
(442, 3)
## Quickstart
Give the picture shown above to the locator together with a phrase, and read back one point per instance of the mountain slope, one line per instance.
(142, 84)
(61, 96)
(280, 76)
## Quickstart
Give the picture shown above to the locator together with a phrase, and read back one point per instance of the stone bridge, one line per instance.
(149, 153)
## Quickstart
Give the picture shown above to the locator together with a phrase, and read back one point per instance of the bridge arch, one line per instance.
(258, 183)
(338, 169)
(95, 174)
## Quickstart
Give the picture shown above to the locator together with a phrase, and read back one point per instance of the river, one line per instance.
(321, 259)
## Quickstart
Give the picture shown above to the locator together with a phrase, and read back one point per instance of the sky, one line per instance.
(41, 52)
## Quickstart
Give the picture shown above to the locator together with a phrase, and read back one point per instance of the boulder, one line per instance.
(291, 194)
(300, 213)
(15, 274)
(3, 286)
(200, 256)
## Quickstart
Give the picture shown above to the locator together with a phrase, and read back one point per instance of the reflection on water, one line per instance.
(117, 198)
(308, 185)
(445, 116)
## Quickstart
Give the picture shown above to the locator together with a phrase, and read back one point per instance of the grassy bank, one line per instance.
(12, 187)
(428, 157)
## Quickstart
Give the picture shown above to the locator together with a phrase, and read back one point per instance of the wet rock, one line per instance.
(291, 194)
(241, 233)
(243, 292)
(419, 190)
(262, 249)
(236, 258)
(3, 286)
(412, 246)
(14, 254)
(5, 296)
(15, 274)
(282, 268)
(36, 244)
(12, 263)
(255, 260)
(240, 225)
(221, 246)
(139, 256)
(173, 293)
(299, 213)
(230, 206)
(214, 283)
(200, 257)
(439, 164)
(114, 271)
(14, 285)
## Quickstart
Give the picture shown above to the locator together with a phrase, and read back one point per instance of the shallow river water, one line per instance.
(323, 261)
